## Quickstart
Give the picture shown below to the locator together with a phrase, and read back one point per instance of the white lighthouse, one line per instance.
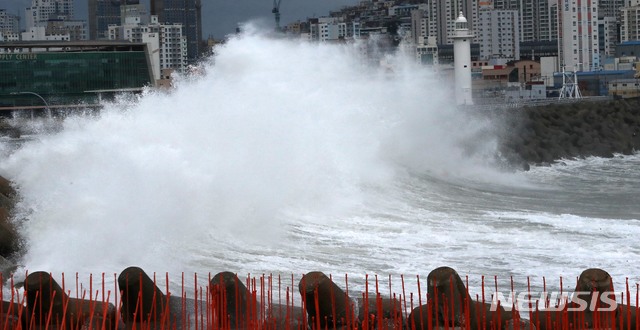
(462, 61)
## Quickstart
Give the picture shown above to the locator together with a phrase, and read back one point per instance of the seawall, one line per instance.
(539, 135)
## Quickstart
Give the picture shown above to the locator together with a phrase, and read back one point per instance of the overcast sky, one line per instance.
(220, 17)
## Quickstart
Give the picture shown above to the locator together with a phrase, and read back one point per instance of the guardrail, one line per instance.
(60, 107)
(514, 104)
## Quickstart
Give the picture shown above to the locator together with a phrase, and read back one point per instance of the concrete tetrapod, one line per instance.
(627, 316)
(450, 305)
(230, 296)
(592, 305)
(380, 312)
(11, 314)
(48, 305)
(594, 291)
(142, 300)
(327, 305)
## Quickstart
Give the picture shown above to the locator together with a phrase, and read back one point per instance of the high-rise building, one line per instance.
(9, 23)
(578, 38)
(552, 32)
(498, 34)
(610, 8)
(538, 18)
(442, 15)
(166, 42)
(419, 25)
(41, 11)
(103, 13)
(9, 26)
(609, 26)
(630, 23)
(53, 20)
(608, 35)
(187, 13)
(331, 29)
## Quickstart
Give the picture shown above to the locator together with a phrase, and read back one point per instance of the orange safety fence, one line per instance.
(226, 301)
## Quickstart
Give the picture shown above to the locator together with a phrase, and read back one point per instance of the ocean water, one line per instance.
(284, 157)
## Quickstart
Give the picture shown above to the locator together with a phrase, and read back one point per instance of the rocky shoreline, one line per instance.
(8, 235)
(545, 134)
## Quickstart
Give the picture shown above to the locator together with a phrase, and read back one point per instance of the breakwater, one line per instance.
(539, 135)
(542, 133)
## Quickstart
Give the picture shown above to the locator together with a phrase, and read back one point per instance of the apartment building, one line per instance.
(630, 22)
(42, 11)
(58, 29)
(166, 42)
(538, 18)
(578, 43)
(9, 23)
(187, 13)
(498, 33)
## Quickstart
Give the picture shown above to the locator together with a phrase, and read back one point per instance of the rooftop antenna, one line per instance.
(276, 12)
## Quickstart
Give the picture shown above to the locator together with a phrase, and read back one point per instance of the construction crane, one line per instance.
(276, 12)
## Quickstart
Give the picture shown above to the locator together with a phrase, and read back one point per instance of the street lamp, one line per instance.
(39, 96)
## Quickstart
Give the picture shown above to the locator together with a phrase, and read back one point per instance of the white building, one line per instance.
(608, 35)
(442, 15)
(53, 20)
(39, 33)
(630, 22)
(9, 36)
(166, 43)
(609, 14)
(548, 67)
(331, 29)
(578, 38)
(498, 33)
(419, 25)
(9, 24)
(427, 51)
(538, 18)
(42, 11)
(57, 30)
(402, 10)
(77, 30)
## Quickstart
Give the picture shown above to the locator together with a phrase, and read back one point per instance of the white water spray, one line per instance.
(275, 131)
